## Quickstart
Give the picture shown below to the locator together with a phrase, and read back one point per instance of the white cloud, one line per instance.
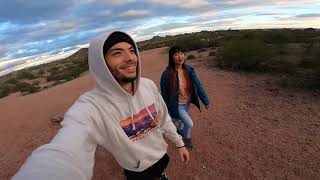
(294, 2)
(180, 30)
(186, 4)
(135, 13)
(120, 2)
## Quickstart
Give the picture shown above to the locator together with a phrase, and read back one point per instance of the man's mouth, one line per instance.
(130, 67)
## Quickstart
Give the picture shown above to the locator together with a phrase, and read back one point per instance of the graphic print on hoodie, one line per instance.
(141, 124)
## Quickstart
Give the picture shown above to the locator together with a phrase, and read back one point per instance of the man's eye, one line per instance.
(116, 53)
(132, 51)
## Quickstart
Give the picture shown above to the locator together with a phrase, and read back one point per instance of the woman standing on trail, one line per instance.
(180, 86)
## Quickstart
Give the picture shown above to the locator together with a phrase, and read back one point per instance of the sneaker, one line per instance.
(188, 143)
(164, 177)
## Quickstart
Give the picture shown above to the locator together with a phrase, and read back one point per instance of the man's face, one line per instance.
(178, 58)
(122, 61)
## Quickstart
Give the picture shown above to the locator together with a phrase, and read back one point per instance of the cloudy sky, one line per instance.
(32, 32)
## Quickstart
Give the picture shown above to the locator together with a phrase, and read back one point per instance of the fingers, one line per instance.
(187, 158)
(184, 155)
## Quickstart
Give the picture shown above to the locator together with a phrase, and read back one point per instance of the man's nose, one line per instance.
(129, 56)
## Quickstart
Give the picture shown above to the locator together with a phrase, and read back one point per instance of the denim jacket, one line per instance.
(197, 91)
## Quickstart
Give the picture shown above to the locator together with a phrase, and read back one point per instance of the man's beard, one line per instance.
(125, 80)
(122, 79)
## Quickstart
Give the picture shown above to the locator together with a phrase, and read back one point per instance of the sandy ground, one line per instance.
(254, 130)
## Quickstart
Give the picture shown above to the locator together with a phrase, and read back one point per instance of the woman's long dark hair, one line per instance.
(172, 70)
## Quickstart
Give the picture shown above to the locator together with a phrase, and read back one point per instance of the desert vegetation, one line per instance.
(292, 53)
(40, 77)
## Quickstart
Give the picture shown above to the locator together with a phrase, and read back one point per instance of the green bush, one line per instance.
(25, 74)
(244, 54)
(309, 73)
(281, 66)
(11, 81)
(41, 72)
(53, 69)
(27, 87)
(4, 91)
(305, 79)
(311, 56)
(69, 73)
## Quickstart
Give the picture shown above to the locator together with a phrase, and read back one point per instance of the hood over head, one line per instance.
(105, 81)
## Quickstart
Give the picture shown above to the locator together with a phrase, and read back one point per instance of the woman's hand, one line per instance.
(184, 154)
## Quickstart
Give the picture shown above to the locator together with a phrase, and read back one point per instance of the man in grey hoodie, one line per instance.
(125, 114)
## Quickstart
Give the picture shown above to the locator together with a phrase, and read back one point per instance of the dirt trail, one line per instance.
(254, 130)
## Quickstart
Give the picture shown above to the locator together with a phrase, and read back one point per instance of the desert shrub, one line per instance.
(281, 66)
(29, 88)
(244, 54)
(25, 74)
(58, 77)
(11, 81)
(73, 68)
(53, 69)
(67, 74)
(191, 57)
(311, 56)
(4, 91)
(303, 79)
(306, 74)
(189, 42)
(41, 72)
(212, 53)
(24, 87)
(278, 37)
(309, 72)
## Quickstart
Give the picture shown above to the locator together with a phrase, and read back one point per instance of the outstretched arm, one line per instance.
(70, 155)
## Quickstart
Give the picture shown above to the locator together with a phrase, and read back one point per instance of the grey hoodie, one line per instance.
(129, 126)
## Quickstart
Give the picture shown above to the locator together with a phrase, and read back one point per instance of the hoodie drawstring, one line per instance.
(146, 107)
(133, 124)
(149, 113)
(154, 120)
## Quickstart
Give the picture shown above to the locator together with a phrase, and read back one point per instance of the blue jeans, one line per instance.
(186, 119)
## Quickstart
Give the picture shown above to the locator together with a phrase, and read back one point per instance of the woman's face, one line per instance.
(178, 58)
